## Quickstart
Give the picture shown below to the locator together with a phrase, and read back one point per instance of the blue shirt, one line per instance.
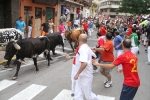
(117, 40)
(20, 25)
(90, 25)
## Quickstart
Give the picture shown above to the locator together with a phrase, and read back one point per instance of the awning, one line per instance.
(74, 2)
(46, 2)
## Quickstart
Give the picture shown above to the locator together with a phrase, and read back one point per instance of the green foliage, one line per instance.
(134, 6)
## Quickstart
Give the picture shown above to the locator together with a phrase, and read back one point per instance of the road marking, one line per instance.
(29, 93)
(101, 97)
(66, 95)
(66, 48)
(6, 83)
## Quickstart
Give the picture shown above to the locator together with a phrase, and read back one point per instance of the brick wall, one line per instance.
(15, 11)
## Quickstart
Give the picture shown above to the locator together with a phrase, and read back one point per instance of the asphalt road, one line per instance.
(49, 82)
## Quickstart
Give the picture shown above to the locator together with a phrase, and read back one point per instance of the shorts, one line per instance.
(128, 92)
(105, 69)
(44, 33)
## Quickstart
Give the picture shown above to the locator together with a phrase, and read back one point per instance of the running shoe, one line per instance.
(108, 85)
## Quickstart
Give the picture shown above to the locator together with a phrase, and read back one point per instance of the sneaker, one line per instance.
(148, 63)
(138, 52)
(105, 81)
(108, 85)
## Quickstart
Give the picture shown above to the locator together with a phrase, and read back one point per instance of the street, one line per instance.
(54, 83)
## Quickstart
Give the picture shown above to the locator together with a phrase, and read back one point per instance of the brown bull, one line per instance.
(72, 36)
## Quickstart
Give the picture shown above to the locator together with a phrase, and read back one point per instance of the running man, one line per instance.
(131, 77)
(134, 41)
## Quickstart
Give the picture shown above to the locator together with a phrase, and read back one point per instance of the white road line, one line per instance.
(66, 95)
(29, 93)
(66, 48)
(26, 64)
(101, 97)
(6, 83)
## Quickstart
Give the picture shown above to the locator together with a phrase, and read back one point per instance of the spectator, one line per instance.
(69, 25)
(76, 23)
(30, 25)
(51, 26)
(20, 25)
(62, 29)
(45, 28)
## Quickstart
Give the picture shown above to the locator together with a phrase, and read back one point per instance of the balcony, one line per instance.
(108, 6)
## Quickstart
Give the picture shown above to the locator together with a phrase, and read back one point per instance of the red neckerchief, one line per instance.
(74, 60)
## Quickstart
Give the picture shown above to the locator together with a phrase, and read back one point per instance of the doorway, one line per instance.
(38, 20)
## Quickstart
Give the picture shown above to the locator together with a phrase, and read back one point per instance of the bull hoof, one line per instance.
(14, 78)
(36, 72)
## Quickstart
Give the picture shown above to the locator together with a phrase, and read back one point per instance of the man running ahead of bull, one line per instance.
(129, 63)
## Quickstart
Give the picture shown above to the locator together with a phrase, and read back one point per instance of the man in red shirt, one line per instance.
(86, 27)
(102, 30)
(100, 43)
(129, 63)
(129, 32)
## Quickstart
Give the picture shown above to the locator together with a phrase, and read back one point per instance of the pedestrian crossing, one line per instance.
(31, 91)
(66, 95)
(28, 93)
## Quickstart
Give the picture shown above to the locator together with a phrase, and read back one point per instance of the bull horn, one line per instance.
(16, 46)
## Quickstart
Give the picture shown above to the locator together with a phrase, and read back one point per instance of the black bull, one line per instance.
(55, 39)
(28, 48)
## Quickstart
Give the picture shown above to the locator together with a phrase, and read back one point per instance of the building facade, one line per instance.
(72, 5)
(9, 12)
(108, 7)
(41, 10)
(94, 7)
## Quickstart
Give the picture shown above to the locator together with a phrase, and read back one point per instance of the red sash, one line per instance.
(74, 60)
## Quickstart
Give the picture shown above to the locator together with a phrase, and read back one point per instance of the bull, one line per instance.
(55, 39)
(72, 36)
(28, 48)
(6, 35)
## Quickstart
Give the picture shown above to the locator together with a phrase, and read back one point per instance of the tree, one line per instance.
(134, 6)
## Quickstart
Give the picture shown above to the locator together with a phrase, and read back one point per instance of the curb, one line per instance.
(3, 61)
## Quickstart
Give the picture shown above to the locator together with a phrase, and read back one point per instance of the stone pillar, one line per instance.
(15, 11)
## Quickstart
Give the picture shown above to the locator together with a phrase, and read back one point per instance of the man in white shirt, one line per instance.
(84, 71)
(76, 23)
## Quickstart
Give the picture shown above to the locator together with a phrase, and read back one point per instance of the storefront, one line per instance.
(9, 12)
(41, 10)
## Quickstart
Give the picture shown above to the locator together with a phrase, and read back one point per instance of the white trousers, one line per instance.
(117, 54)
(90, 31)
(29, 31)
(148, 53)
(51, 31)
(72, 79)
(145, 39)
(62, 35)
(84, 87)
(135, 50)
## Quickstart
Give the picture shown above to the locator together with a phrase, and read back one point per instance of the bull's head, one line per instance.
(11, 50)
